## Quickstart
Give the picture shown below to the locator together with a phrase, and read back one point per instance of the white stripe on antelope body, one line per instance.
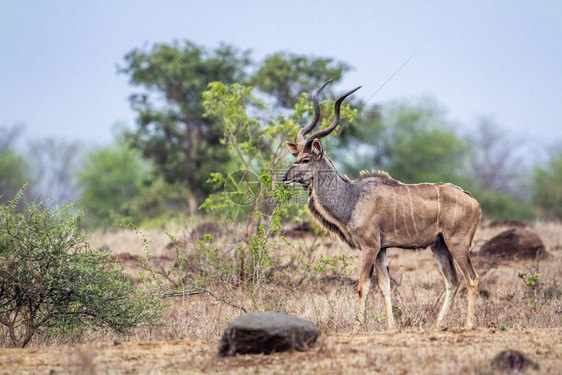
(377, 212)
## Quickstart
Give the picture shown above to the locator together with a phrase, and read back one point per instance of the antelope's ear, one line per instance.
(317, 149)
(293, 148)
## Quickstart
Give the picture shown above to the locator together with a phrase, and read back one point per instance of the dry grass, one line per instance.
(328, 300)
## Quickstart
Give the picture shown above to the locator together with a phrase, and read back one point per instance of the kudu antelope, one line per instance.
(377, 212)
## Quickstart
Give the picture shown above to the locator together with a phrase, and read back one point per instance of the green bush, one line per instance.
(52, 283)
(254, 189)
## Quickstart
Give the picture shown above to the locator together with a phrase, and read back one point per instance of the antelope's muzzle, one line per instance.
(295, 176)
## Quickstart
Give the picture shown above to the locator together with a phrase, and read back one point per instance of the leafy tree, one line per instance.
(286, 75)
(414, 142)
(13, 173)
(118, 185)
(14, 170)
(547, 181)
(172, 131)
(52, 283)
(497, 205)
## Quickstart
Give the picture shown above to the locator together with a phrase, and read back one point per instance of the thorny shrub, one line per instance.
(53, 284)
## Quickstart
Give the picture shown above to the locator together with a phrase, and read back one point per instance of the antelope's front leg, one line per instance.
(367, 267)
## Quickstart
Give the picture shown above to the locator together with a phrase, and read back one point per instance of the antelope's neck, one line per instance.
(331, 202)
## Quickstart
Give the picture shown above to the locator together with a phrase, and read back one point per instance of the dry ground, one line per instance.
(188, 341)
(411, 352)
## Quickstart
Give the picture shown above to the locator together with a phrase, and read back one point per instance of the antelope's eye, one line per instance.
(305, 161)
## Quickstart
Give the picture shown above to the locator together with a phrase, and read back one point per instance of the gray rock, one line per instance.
(267, 332)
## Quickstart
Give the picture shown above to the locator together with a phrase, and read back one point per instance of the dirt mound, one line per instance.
(513, 361)
(204, 228)
(514, 243)
(298, 231)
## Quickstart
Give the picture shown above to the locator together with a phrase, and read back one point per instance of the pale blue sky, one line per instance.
(500, 59)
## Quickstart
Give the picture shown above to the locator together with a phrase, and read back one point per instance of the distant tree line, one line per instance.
(161, 167)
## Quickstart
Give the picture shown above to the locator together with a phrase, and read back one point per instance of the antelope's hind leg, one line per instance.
(452, 282)
(383, 279)
(460, 251)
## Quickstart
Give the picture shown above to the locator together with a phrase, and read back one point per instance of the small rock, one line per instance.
(513, 361)
(267, 332)
(515, 243)
(484, 293)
